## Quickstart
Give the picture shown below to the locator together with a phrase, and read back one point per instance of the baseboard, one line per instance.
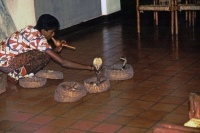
(99, 20)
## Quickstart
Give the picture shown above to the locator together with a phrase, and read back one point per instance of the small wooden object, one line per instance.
(62, 43)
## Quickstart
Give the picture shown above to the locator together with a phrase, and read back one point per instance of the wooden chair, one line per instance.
(190, 14)
(161, 5)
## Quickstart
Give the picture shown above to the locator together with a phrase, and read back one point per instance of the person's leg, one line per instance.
(24, 64)
(37, 62)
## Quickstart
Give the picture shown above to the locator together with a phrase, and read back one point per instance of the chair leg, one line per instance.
(138, 21)
(172, 18)
(176, 18)
(138, 16)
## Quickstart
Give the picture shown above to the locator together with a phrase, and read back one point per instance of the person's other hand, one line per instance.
(58, 43)
(58, 49)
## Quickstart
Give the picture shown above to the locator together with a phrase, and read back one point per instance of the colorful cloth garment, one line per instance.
(23, 53)
(20, 42)
(31, 62)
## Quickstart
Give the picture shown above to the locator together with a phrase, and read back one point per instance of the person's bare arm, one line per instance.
(67, 63)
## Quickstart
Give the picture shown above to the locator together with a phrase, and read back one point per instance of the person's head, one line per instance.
(47, 25)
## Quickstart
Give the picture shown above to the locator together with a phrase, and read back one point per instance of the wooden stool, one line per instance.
(194, 105)
(171, 128)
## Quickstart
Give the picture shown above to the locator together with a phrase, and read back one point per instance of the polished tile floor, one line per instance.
(166, 70)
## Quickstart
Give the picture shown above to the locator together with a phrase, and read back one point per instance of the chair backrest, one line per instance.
(164, 2)
(168, 2)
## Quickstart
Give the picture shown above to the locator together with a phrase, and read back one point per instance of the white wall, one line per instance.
(22, 12)
(69, 12)
(110, 6)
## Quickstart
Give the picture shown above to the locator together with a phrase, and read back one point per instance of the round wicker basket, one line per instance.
(115, 72)
(33, 82)
(69, 92)
(92, 86)
(49, 74)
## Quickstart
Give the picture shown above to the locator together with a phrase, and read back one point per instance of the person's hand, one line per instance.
(59, 44)
(62, 43)
(58, 49)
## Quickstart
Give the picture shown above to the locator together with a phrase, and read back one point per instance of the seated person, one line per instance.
(27, 51)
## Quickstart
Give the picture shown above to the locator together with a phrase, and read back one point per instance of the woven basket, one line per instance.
(69, 92)
(2, 82)
(114, 72)
(2, 87)
(49, 74)
(33, 82)
(92, 86)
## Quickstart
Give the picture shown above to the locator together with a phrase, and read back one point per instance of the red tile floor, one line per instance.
(166, 70)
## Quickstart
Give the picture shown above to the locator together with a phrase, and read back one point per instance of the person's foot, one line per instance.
(12, 80)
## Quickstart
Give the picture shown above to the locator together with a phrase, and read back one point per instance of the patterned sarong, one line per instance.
(24, 64)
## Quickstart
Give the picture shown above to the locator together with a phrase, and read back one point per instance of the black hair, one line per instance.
(47, 22)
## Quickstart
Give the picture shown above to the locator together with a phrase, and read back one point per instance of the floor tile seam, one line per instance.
(41, 120)
(158, 72)
(21, 111)
(153, 119)
(41, 89)
(152, 106)
(6, 118)
(25, 123)
(19, 123)
(171, 112)
(100, 124)
(71, 129)
(32, 103)
(185, 83)
(130, 127)
(156, 62)
(6, 95)
(101, 105)
(111, 114)
(63, 128)
(76, 129)
(41, 113)
(125, 125)
(136, 108)
(93, 121)
(188, 80)
(49, 107)
(34, 115)
(50, 96)
(189, 65)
